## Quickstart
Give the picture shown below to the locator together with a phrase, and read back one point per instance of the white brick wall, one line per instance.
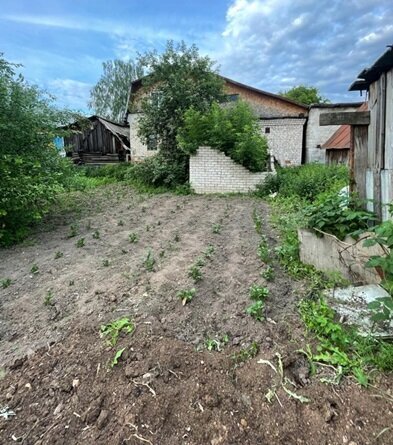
(285, 139)
(317, 135)
(211, 171)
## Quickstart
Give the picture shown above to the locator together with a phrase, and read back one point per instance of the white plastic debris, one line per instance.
(6, 413)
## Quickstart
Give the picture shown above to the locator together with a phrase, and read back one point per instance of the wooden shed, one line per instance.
(98, 141)
(371, 155)
(338, 145)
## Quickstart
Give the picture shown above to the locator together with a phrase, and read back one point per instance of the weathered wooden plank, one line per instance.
(380, 124)
(359, 159)
(386, 192)
(345, 118)
(373, 107)
(370, 190)
(377, 194)
(389, 121)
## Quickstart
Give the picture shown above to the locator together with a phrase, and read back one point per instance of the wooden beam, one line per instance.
(345, 118)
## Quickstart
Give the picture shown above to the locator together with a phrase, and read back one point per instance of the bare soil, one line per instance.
(167, 388)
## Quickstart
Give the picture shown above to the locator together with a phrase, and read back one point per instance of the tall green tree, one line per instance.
(180, 78)
(306, 95)
(108, 98)
(31, 170)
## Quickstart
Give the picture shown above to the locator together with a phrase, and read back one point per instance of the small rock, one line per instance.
(58, 409)
(147, 376)
(113, 298)
(352, 443)
(236, 341)
(103, 419)
(28, 386)
(243, 423)
(8, 396)
(75, 383)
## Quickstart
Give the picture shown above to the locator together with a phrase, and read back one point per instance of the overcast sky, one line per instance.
(270, 44)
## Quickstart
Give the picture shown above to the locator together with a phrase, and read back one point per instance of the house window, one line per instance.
(267, 130)
(152, 143)
(232, 97)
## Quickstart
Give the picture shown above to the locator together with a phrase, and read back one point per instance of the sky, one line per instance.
(269, 44)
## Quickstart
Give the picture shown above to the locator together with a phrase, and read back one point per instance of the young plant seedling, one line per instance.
(34, 269)
(257, 222)
(48, 300)
(208, 253)
(58, 255)
(263, 250)
(200, 262)
(256, 310)
(258, 293)
(186, 295)
(112, 330)
(216, 344)
(216, 228)
(177, 238)
(71, 283)
(96, 234)
(120, 223)
(149, 261)
(268, 273)
(195, 273)
(80, 243)
(105, 263)
(73, 231)
(117, 357)
(124, 251)
(5, 282)
(246, 353)
(133, 237)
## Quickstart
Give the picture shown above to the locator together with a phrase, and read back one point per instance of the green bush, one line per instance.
(158, 171)
(337, 214)
(31, 171)
(306, 181)
(232, 129)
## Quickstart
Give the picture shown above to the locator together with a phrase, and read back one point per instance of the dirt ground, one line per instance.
(167, 388)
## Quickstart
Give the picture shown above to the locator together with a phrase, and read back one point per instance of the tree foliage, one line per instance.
(179, 79)
(305, 95)
(232, 129)
(31, 170)
(108, 98)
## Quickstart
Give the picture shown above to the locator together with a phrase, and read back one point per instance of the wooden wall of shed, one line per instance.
(373, 149)
(96, 139)
(337, 156)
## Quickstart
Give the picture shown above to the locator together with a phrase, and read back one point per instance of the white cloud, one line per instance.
(70, 93)
(275, 44)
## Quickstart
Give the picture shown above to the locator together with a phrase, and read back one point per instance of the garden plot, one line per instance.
(168, 278)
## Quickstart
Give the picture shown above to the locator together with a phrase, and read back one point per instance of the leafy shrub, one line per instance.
(31, 171)
(337, 214)
(232, 129)
(306, 181)
(159, 171)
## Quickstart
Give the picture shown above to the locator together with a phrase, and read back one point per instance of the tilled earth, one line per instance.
(167, 387)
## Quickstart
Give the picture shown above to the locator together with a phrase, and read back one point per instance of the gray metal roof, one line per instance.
(370, 75)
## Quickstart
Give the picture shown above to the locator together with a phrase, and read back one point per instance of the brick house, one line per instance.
(282, 121)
